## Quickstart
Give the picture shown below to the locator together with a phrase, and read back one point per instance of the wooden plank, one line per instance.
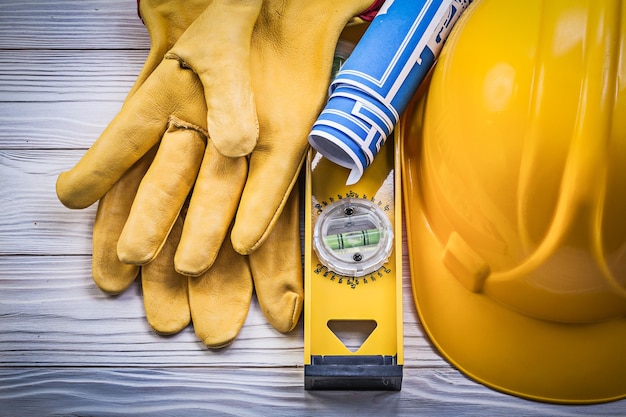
(33, 220)
(71, 24)
(68, 75)
(55, 125)
(254, 392)
(52, 314)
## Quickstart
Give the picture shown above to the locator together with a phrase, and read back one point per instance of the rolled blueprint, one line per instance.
(379, 78)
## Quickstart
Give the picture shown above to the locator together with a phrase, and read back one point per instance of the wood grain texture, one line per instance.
(51, 308)
(68, 349)
(258, 392)
(70, 24)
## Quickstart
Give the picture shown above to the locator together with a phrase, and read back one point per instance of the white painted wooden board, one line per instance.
(68, 349)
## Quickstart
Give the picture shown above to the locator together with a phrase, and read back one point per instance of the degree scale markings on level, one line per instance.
(319, 206)
(352, 282)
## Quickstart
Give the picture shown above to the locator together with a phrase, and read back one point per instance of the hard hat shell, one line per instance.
(514, 173)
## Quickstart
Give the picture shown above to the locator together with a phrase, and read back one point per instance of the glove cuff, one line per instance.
(369, 14)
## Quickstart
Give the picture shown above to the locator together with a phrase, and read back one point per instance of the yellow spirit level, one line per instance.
(353, 336)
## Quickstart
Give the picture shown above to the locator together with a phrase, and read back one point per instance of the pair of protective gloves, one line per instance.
(196, 175)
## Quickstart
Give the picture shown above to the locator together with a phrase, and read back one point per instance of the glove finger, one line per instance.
(169, 91)
(273, 170)
(164, 290)
(277, 269)
(109, 273)
(220, 298)
(271, 178)
(224, 69)
(290, 81)
(165, 22)
(211, 210)
(286, 115)
(162, 193)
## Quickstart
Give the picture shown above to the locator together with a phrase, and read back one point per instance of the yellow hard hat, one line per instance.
(514, 171)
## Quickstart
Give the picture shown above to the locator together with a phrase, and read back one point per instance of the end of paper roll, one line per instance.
(337, 151)
(352, 128)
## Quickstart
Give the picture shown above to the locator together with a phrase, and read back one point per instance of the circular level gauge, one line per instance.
(353, 237)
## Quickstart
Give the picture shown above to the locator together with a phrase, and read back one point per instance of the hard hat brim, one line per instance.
(494, 345)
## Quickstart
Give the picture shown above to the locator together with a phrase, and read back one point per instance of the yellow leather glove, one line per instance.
(211, 58)
(172, 97)
(165, 21)
(170, 301)
(290, 60)
(218, 299)
(293, 48)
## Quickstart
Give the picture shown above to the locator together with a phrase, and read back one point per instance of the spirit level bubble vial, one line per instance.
(353, 333)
